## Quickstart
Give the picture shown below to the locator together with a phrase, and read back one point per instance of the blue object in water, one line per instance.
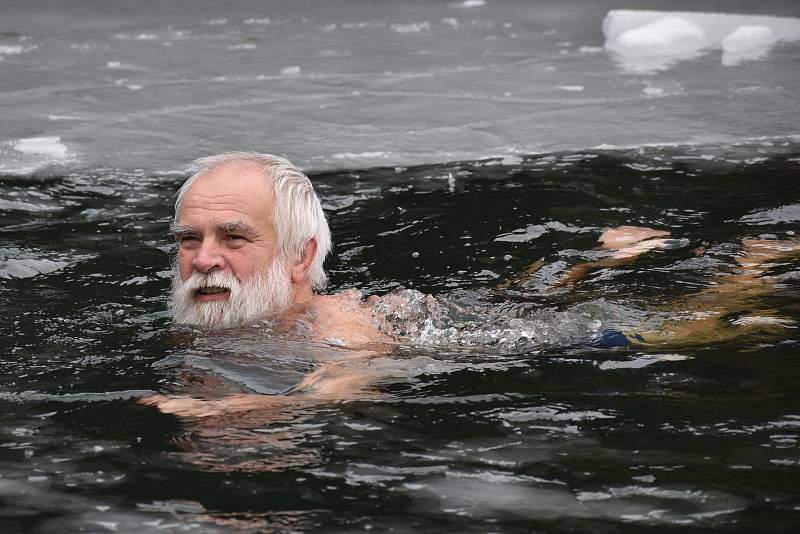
(608, 339)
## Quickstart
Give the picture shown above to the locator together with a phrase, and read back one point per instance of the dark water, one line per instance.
(457, 436)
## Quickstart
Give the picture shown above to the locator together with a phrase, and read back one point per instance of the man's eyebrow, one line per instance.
(181, 229)
(236, 226)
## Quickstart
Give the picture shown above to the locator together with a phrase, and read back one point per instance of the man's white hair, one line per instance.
(297, 214)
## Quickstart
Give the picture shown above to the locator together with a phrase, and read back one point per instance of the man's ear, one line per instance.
(300, 268)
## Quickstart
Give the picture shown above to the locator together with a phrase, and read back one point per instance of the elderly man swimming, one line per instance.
(252, 239)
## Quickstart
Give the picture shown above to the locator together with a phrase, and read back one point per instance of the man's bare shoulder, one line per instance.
(345, 318)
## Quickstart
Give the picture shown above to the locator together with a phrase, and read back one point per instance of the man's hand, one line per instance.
(628, 242)
(625, 236)
(184, 406)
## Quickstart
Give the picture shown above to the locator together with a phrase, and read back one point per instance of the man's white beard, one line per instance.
(266, 293)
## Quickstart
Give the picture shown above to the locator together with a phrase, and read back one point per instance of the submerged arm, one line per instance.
(627, 242)
(330, 382)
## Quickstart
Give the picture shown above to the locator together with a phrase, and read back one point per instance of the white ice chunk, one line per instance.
(646, 41)
(24, 156)
(668, 35)
(10, 49)
(48, 146)
(414, 27)
(242, 46)
(291, 71)
(360, 156)
(746, 43)
(747, 38)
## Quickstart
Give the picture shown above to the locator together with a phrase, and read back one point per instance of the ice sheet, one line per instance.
(339, 85)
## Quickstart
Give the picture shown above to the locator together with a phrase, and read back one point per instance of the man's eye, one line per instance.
(236, 238)
(188, 239)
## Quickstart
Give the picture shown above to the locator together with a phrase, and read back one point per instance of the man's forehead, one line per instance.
(228, 190)
(233, 179)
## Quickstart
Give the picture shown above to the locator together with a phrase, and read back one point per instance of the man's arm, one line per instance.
(344, 380)
(626, 242)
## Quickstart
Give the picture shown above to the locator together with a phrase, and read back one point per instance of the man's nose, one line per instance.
(208, 258)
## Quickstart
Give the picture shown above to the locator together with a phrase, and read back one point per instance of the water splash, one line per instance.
(427, 320)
